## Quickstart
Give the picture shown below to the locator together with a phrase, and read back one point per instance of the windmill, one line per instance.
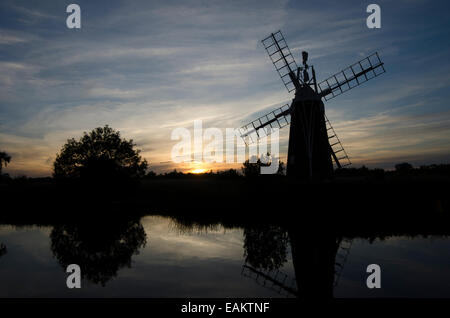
(313, 143)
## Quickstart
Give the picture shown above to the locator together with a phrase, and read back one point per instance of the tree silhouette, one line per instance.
(101, 154)
(4, 160)
(251, 169)
(403, 168)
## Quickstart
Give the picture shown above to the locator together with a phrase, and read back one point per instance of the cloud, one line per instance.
(384, 138)
(6, 39)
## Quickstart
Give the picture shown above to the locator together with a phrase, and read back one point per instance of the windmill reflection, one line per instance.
(314, 263)
(100, 248)
(318, 260)
(318, 255)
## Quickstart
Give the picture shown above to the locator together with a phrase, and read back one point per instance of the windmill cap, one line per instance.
(305, 56)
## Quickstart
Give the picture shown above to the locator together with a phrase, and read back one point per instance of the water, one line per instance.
(174, 262)
(159, 257)
(411, 267)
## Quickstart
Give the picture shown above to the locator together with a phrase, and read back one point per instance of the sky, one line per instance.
(146, 68)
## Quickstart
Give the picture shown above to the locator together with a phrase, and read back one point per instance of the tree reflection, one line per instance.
(100, 248)
(3, 249)
(265, 247)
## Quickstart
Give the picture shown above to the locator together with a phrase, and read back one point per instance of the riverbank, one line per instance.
(414, 204)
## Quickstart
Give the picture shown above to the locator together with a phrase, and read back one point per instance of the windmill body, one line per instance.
(313, 143)
(309, 148)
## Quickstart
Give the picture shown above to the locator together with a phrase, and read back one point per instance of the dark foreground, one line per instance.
(358, 206)
(277, 222)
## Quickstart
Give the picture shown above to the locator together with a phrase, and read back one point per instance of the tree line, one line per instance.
(103, 154)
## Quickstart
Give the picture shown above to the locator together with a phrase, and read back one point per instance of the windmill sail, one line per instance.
(280, 118)
(338, 153)
(275, 280)
(345, 244)
(277, 118)
(282, 59)
(354, 75)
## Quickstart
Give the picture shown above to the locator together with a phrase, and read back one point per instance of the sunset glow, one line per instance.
(198, 171)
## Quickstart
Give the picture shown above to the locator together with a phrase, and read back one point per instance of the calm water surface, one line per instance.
(160, 258)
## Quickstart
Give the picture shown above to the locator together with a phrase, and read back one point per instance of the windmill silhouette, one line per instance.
(313, 143)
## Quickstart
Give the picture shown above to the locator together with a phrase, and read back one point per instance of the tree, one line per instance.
(4, 160)
(251, 169)
(403, 168)
(101, 154)
(281, 168)
(230, 173)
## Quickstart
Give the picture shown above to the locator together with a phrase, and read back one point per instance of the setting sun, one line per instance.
(197, 171)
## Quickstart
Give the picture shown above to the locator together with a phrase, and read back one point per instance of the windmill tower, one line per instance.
(313, 144)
